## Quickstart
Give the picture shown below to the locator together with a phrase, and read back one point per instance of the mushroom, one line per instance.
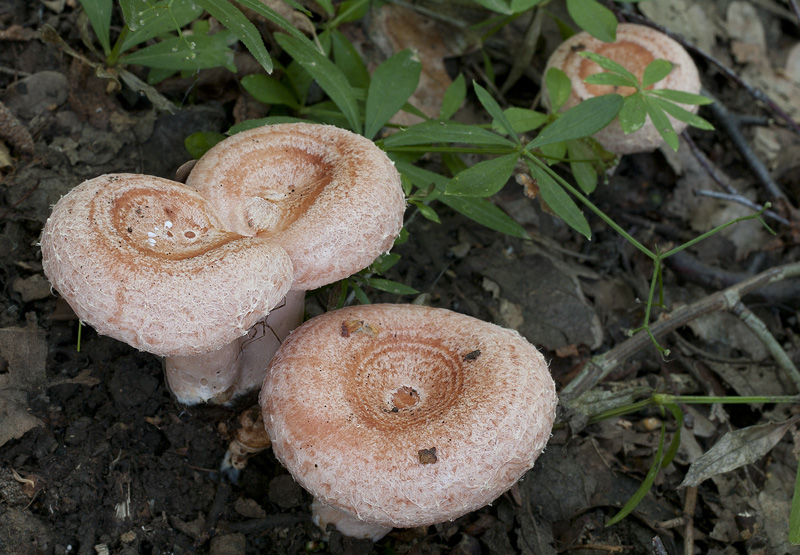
(405, 415)
(146, 261)
(635, 47)
(330, 198)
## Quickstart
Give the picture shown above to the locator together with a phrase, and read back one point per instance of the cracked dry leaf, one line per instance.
(736, 449)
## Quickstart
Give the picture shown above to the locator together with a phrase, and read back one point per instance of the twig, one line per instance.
(600, 366)
(744, 201)
(689, 506)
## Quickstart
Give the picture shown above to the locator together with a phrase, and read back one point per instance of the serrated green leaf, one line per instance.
(99, 12)
(235, 21)
(655, 72)
(348, 60)
(156, 20)
(609, 79)
(190, 54)
(201, 142)
(330, 78)
(559, 201)
(681, 97)
(491, 106)
(484, 178)
(584, 173)
(662, 123)
(453, 97)
(522, 119)
(609, 65)
(390, 286)
(269, 90)
(558, 86)
(633, 113)
(429, 132)
(392, 83)
(681, 114)
(484, 212)
(583, 120)
(594, 18)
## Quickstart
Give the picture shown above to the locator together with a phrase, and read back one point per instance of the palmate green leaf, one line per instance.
(558, 87)
(583, 171)
(662, 123)
(610, 79)
(583, 120)
(444, 132)
(633, 113)
(131, 10)
(99, 12)
(681, 115)
(594, 18)
(269, 90)
(681, 97)
(486, 213)
(453, 97)
(559, 201)
(390, 286)
(609, 65)
(186, 54)
(330, 78)
(484, 178)
(392, 83)
(236, 22)
(522, 119)
(655, 72)
(491, 106)
(157, 19)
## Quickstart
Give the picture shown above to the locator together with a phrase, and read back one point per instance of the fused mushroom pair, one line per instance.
(634, 48)
(192, 272)
(404, 415)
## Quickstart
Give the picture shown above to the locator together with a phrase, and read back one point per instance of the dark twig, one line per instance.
(755, 92)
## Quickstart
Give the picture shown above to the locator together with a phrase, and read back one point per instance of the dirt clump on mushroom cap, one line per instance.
(405, 415)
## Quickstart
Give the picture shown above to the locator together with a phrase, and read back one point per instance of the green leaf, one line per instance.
(329, 77)
(453, 97)
(359, 293)
(583, 120)
(655, 72)
(157, 20)
(558, 86)
(393, 82)
(594, 18)
(681, 97)
(794, 514)
(609, 65)
(633, 113)
(662, 123)
(131, 9)
(609, 79)
(390, 286)
(522, 119)
(99, 12)
(484, 212)
(348, 60)
(682, 115)
(584, 173)
(236, 22)
(186, 53)
(429, 132)
(262, 9)
(497, 6)
(350, 10)
(519, 6)
(427, 212)
(201, 142)
(494, 110)
(383, 263)
(269, 90)
(484, 178)
(559, 201)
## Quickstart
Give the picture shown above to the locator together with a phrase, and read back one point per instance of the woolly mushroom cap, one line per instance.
(636, 46)
(146, 261)
(405, 415)
(331, 198)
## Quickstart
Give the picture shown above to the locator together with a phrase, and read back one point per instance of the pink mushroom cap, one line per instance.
(405, 415)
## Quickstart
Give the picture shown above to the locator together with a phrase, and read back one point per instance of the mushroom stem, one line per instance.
(239, 367)
(349, 525)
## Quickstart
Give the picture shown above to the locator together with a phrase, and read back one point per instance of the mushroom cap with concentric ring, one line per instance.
(404, 415)
(146, 261)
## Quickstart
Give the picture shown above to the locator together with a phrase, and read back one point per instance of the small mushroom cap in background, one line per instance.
(636, 46)
(331, 198)
(146, 261)
(405, 415)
